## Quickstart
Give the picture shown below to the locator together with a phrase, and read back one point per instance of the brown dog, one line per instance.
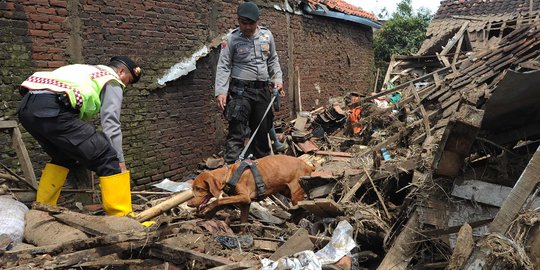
(279, 173)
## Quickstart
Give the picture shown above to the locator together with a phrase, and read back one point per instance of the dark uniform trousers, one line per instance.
(66, 138)
(246, 103)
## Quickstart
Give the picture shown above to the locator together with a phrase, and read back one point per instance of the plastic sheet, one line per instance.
(341, 244)
(12, 218)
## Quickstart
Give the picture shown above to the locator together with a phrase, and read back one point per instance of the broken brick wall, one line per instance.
(332, 58)
(168, 130)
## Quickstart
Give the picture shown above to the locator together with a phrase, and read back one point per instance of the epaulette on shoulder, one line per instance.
(263, 28)
(234, 30)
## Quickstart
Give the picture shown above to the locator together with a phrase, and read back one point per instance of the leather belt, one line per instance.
(249, 84)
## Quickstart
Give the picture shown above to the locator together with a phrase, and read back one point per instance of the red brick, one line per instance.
(55, 64)
(46, 10)
(39, 33)
(41, 56)
(7, 6)
(58, 3)
(58, 19)
(39, 17)
(50, 26)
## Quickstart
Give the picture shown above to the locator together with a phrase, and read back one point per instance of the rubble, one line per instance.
(430, 178)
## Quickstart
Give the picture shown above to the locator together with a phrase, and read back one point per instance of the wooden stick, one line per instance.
(18, 177)
(378, 193)
(164, 206)
(376, 79)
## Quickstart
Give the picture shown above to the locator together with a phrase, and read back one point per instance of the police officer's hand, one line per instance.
(221, 101)
(279, 87)
(123, 167)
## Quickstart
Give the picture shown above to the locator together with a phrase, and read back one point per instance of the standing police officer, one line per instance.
(54, 106)
(247, 63)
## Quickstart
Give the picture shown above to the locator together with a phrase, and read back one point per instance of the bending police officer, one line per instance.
(53, 108)
(247, 61)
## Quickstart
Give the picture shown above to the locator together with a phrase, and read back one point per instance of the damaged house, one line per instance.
(437, 170)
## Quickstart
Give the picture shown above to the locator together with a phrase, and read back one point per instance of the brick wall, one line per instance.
(169, 130)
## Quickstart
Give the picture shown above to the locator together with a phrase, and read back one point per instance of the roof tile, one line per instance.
(449, 8)
(344, 7)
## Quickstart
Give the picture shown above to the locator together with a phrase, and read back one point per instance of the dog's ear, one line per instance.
(214, 185)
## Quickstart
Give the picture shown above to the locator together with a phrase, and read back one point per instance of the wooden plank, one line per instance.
(349, 195)
(169, 251)
(388, 71)
(237, 266)
(458, 50)
(455, 38)
(24, 158)
(463, 249)
(425, 116)
(8, 124)
(111, 261)
(402, 250)
(67, 247)
(518, 196)
(321, 191)
(336, 154)
(299, 241)
(486, 193)
(265, 245)
(443, 71)
(98, 225)
(454, 229)
(312, 207)
(434, 212)
(300, 123)
(457, 140)
(379, 196)
(330, 207)
(75, 258)
(444, 60)
(164, 206)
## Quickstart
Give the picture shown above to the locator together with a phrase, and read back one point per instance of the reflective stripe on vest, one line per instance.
(82, 84)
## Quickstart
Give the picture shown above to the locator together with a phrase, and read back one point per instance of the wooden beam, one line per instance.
(169, 251)
(486, 193)
(8, 124)
(525, 185)
(299, 241)
(425, 116)
(164, 206)
(400, 254)
(22, 155)
(98, 225)
(463, 249)
(454, 39)
(458, 50)
(457, 140)
(348, 196)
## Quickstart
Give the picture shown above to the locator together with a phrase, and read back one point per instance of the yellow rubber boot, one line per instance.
(116, 194)
(51, 182)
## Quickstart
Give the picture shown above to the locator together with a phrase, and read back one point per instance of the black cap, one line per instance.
(134, 69)
(248, 10)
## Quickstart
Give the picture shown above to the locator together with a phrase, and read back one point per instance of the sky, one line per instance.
(376, 6)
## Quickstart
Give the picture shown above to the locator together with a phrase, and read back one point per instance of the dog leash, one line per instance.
(241, 157)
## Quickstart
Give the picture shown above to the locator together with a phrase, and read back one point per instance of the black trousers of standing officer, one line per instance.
(246, 103)
(66, 138)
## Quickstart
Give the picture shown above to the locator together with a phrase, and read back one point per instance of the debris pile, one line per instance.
(423, 174)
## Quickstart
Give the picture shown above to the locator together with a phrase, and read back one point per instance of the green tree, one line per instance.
(403, 33)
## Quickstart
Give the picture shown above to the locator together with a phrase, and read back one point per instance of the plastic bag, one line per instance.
(12, 218)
